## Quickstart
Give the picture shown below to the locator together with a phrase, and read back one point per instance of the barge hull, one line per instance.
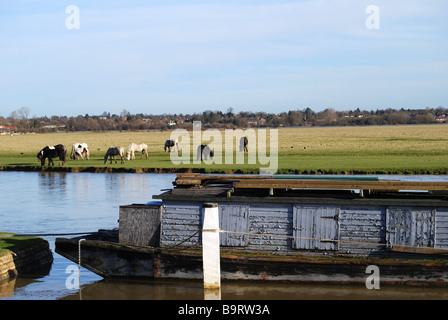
(117, 261)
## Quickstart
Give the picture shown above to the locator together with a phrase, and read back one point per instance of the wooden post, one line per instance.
(210, 247)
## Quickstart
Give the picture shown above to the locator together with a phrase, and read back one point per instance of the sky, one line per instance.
(189, 56)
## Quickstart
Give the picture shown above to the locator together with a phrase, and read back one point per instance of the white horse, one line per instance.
(133, 147)
(78, 149)
(171, 143)
(112, 152)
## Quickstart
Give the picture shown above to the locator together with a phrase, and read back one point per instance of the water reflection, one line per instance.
(193, 290)
(52, 181)
(57, 203)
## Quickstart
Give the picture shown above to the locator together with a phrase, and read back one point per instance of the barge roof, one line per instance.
(306, 189)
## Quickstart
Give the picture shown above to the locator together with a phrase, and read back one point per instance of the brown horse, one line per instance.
(51, 152)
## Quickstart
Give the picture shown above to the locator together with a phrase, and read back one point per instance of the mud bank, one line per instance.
(441, 171)
(119, 170)
(30, 256)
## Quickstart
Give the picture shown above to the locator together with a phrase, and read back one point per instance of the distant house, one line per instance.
(4, 130)
(53, 126)
(441, 119)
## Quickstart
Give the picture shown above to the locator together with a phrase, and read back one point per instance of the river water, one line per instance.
(56, 203)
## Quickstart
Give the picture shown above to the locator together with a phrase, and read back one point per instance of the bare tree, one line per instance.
(125, 113)
(23, 113)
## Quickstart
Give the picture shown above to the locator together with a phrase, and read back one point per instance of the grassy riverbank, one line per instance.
(332, 150)
(23, 255)
(11, 243)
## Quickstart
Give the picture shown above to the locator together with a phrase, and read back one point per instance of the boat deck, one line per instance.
(197, 184)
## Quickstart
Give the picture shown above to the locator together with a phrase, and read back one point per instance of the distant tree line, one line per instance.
(125, 121)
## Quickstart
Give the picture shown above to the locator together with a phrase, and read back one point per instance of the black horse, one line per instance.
(204, 151)
(171, 143)
(114, 151)
(51, 152)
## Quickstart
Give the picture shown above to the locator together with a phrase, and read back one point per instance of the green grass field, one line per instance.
(310, 150)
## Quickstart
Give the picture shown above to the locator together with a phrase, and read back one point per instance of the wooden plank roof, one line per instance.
(301, 182)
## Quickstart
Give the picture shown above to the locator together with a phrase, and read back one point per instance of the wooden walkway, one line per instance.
(300, 182)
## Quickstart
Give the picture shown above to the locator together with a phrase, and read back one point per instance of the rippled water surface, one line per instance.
(56, 203)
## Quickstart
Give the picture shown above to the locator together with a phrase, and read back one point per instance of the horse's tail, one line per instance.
(199, 155)
(72, 153)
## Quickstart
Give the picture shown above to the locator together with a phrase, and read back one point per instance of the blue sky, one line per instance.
(182, 56)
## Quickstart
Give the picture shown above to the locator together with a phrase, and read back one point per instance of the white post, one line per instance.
(210, 247)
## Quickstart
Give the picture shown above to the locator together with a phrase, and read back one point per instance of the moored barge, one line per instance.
(280, 228)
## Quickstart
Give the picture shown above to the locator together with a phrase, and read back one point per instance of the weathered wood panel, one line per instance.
(361, 228)
(181, 224)
(270, 227)
(358, 230)
(314, 227)
(410, 226)
(234, 217)
(140, 225)
(441, 236)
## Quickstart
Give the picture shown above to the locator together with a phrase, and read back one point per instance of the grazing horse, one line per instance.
(78, 149)
(171, 143)
(243, 144)
(112, 152)
(51, 152)
(132, 148)
(204, 151)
